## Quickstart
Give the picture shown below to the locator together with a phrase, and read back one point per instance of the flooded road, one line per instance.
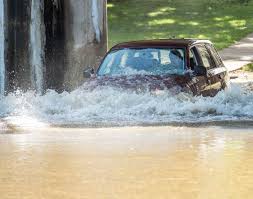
(136, 162)
(183, 147)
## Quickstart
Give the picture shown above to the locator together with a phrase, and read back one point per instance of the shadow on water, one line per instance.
(6, 128)
(243, 124)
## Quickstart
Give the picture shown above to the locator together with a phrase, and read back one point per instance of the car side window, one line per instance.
(206, 58)
(215, 55)
(193, 58)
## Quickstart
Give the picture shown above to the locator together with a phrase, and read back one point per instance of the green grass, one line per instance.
(248, 67)
(153, 19)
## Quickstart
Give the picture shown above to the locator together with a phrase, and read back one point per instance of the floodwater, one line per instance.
(42, 156)
(136, 162)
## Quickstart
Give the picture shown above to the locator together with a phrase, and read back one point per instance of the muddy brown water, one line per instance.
(136, 162)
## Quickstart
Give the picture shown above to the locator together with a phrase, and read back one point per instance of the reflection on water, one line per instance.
(152, 162)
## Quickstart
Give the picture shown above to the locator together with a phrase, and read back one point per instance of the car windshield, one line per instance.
(148, 61)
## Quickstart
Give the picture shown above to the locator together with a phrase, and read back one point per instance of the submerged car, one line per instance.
(189, 65)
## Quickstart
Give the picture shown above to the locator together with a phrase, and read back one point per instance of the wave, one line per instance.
(111, 106)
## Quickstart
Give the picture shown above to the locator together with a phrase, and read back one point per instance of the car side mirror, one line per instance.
(89, 72)
(200, 70)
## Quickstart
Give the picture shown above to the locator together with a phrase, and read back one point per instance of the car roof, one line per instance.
(159, 43)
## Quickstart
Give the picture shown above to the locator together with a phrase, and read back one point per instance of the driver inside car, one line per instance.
(176, 60)
(144, 61)
(148, 60)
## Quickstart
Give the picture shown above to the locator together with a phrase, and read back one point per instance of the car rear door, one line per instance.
(219, 73)
(214, 72)
(198, 82)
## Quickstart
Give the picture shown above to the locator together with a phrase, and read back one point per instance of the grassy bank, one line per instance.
(150, 19)
(248, 67)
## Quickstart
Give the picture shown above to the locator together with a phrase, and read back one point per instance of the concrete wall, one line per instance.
(17, 43)
(74, 37)
(86, 37)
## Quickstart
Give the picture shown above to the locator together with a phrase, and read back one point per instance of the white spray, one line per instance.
(2, 41)
(37, 36)
(110, 106)
(95, 19)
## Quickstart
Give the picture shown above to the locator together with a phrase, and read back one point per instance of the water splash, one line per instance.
(37, 37)
(2, 47)
(111, 106)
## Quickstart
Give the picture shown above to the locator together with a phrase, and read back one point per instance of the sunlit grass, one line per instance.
(161, 22)
(152, 19)
(110, 5)
(238, 23)
(248, 67)
(161, 11)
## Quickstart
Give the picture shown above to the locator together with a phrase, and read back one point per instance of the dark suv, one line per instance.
(189, 65)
